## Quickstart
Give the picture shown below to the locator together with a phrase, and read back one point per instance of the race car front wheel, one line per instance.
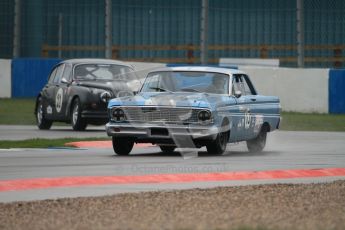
(167, 148)
(257, 144)
(218, 146)
(122, 146)
(78, 123)
(41, 121)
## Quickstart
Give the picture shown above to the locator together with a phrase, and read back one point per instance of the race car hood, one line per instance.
(199, 100)
(113, 86)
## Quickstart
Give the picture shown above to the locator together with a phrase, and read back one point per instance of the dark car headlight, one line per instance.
(102, 94)
(117, 114)
(105, 96)
(204, 116)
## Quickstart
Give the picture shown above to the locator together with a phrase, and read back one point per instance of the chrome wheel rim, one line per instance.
(75, 114)
(223, 140)
(262, 139)
(39, 113)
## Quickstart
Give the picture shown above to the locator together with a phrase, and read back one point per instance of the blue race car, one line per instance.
(193, 107)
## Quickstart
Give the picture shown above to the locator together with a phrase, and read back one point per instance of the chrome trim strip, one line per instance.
(164, 114)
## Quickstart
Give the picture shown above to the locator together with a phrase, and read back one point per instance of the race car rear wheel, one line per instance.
(258, 144)
(77, 122)
(41, 121)
(122, 146)
(218, 146)
(167, 149)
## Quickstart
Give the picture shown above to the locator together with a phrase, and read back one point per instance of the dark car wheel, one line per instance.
(218, 146)
(257, 144)
(122, 146)
(78, 123)
(41, 121)
(167, 149)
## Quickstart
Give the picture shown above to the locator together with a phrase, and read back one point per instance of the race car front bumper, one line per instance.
(151, 131)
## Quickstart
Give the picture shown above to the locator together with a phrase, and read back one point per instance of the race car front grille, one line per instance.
(161, 114)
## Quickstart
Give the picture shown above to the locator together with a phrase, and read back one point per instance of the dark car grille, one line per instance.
(161, 114)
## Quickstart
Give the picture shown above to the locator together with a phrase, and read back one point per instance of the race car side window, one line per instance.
(242, 83)
(58, 74)
(67, 72)
(237, 84)
(248, 86)
(52, 75)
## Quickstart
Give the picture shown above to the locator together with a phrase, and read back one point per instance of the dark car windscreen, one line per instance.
(103, 72)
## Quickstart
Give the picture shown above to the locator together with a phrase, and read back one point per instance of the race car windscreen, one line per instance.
(186, 81)
(103, 72)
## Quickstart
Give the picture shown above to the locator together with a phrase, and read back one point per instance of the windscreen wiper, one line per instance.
(161, 89)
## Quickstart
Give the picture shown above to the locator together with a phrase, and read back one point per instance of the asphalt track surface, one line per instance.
(20, 132)
(285, 150)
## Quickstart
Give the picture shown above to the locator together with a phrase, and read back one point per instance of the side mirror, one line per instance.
(238, 93)
(64, 80)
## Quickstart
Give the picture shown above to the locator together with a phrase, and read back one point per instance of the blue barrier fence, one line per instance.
(29, 75)
(336, 91)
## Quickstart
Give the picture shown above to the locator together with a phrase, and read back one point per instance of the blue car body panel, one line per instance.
(244, 115)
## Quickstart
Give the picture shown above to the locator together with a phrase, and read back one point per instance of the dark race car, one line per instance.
(78, 91)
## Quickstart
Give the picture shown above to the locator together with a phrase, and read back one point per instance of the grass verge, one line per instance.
(312, 122)
(21, 112)
(43, 143)
(17, 111)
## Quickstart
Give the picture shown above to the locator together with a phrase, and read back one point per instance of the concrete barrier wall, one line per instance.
(5, 78)
(299, 90)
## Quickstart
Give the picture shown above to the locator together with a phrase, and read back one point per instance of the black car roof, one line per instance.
(95, 61)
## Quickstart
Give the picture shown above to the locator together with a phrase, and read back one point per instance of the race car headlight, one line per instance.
(96, 91)
(204, 116)
(105, 96)
(118, 114)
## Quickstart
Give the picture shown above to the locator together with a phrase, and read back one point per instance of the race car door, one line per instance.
(57, 97)
(62, 92)
(250, 104)
(241, 113)
(48, 95)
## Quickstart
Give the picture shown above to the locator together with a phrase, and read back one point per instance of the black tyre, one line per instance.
(41, 121)
(122, 146)
(77, 122)
(167, 149)
(218, 146)
(257, 144)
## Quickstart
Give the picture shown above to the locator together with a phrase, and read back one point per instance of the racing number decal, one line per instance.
(247, 120)
(58, 100)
